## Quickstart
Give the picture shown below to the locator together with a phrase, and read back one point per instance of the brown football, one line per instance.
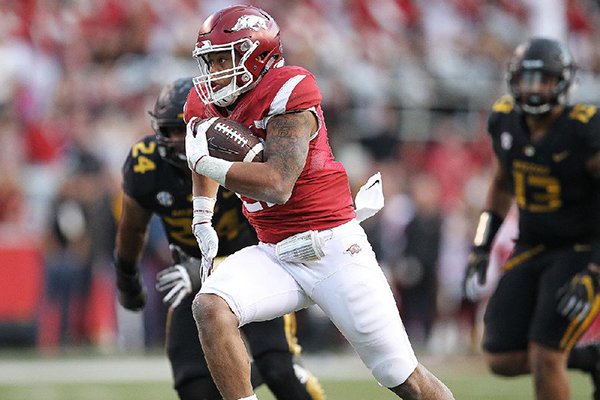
(229, 140)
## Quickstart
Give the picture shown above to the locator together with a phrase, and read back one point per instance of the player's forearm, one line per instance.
(130, 288)
(499, 197)
(129, 245)
(593, 165)
(204, 186)
(499, 202)
(286, 151)
(132, 230)
(260, 181)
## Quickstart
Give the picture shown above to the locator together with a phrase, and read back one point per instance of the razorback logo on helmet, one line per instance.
(253, 22)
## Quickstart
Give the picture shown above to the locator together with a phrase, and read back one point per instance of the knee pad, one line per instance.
(198, 389)
(393, 372)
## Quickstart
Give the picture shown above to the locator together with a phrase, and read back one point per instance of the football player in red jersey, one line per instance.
(547, 159)
(156, 180)
(311, 248)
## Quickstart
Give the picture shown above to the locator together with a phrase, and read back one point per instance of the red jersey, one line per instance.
(321, 198)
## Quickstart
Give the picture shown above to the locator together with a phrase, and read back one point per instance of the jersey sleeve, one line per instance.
(292, 89)
(500, 109)
(503, 106)
(305, 94)
(140, 168)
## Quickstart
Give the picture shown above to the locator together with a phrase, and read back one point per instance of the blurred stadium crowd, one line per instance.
(406, 87)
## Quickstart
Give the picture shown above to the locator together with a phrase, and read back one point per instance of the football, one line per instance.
(229, 140)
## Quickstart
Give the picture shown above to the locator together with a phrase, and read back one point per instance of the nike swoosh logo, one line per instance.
(373, 184)
(558, 157)
(213, 146)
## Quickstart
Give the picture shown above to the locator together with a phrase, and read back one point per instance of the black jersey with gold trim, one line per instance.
(557, 198)
(166, 190)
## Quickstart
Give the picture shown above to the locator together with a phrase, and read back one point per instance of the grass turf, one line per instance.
(480, 386)
(26, 376)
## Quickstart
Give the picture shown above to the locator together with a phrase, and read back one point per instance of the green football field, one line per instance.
(343, 378)
(464, 387)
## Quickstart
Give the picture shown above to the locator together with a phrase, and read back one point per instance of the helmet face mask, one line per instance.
(249, 37)
(171, 144)
(239, 76)
(538, 90)
(168, 124)
(540, 75)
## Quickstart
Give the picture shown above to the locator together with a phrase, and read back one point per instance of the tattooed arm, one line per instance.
(286, 148)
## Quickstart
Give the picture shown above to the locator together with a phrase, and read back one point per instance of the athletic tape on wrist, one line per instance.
(488, 226)
(203, 208)
(214, 168)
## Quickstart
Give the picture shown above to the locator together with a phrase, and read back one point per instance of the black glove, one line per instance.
(191, 264)
(477, 265)
(579, 295)
(180, 279)
(130, 289)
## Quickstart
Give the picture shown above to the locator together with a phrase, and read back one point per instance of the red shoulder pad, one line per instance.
(295, 89)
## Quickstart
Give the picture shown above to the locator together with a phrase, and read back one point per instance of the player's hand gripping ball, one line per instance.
(230, 140)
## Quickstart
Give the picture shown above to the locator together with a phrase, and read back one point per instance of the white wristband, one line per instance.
(214, 168)
(203, 208)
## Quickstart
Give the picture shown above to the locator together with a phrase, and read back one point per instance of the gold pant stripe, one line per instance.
(585, 324)
(521, 258)
(575, 325)
(290, 327)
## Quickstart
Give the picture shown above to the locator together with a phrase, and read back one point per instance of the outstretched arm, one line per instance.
(498, 202)
(130, 241)
(499, 196)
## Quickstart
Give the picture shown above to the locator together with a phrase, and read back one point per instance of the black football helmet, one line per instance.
(167, 120)
(535, 62)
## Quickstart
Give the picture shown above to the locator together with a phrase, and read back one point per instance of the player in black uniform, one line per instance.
(547, 159)
(156, 179)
